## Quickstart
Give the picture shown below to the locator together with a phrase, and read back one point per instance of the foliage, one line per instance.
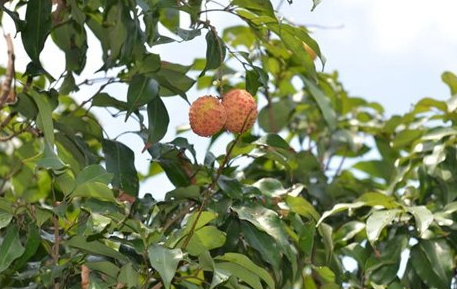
(326, 177)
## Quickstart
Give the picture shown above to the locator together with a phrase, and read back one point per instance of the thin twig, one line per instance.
(178, 216)
(9, 75)
(207, 193)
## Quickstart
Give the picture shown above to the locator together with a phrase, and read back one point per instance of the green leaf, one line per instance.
(259, 7)
(323, 102)
(433, 263)
(246, 263)
(5, 218)
(50, 161)
(129, 276)
(267, 221)
(93, 173)
(120, 160)
(105, 100)
(104, 267)
(263, 243)
(95, 247)
(205, 239)
(275, 116)
(451, 80)
(215, 52)
(240, 272)
(315, 3)
(31, 245)
(348, 230)
(44, 119)
(302, 207)
(190, 192)
(423, 217)
(231, 187)
(340, 208)
(37, 27)
(95, 190)
(11, 248)
(378, 221)
(141, 90)
(187, 35)
(405, 138)
(165, 261)
(158, 120)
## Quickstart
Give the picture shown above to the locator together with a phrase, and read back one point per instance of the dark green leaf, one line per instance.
(141, 91)
(263, 243)
(105, 100)
(37, 27)
(120, 160)
(94, 247)
(11, 248)
(215, 52)
(158, 120)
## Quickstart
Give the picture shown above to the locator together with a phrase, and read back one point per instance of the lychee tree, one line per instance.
(322, 180)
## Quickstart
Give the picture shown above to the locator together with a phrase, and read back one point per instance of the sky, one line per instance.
(389, 51)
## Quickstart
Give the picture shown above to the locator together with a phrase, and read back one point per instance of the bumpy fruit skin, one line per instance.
(207, 116)
(241, 110)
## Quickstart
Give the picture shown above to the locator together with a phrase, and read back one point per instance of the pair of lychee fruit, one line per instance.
(236, 112)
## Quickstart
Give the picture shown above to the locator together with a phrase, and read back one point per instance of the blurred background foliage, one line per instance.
(327, 192)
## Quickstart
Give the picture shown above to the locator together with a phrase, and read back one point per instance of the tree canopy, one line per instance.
(325, 192)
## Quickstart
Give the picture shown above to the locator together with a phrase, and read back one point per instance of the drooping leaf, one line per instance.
(433, 263)
(263, 243)
(158, 120)
(423, 217)
(323, 102)
(95, 247)
(378, 221)
(215, 52)
(120, 161)
(44, 119)
(142, 90)
(11, 248)
(5, 218)
(165, 261)
(245, 262)
(93, 182)
(37, 27)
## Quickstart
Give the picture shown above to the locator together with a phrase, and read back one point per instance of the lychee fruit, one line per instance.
(207, 116)
(241, 110)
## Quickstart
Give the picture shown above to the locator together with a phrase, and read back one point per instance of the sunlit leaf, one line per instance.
(378, 221)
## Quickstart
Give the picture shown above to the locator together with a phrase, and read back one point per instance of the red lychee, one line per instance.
(241, 110)
(207, 116)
